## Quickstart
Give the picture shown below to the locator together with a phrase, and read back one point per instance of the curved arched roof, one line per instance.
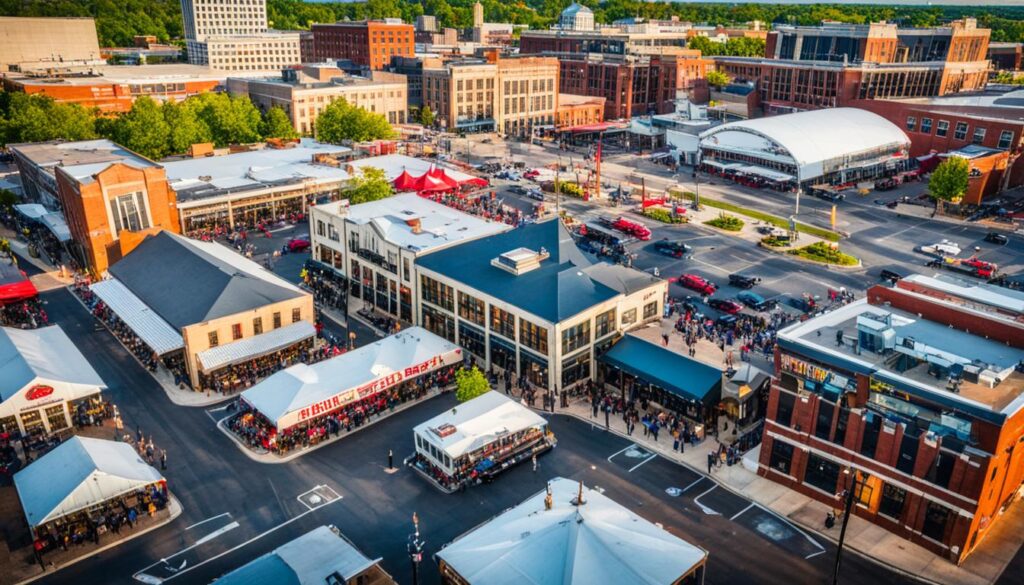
(575, 8)
(813, 137)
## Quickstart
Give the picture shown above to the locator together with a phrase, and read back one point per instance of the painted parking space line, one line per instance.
(210, 519)
(631, 469)
(740, 513)
(687, 488)
(168, 569)
(318, 497)
(821, 549)
(620, 452)
(704, 508)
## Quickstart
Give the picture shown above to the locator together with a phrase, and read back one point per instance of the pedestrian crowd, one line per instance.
(27, 314)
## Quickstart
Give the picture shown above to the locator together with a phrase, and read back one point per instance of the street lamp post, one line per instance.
(847, 494)
(415, 548)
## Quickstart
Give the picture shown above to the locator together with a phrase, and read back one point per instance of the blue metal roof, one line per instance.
(676, 373)
(557, 290)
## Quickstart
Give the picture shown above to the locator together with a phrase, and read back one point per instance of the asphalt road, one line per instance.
(236, 509)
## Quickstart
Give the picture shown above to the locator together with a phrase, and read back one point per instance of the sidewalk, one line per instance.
(50, 278)
(984, 566)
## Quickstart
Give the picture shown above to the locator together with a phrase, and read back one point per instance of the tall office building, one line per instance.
(478, 15)
(232, 35)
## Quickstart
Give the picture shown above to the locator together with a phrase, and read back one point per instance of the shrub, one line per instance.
(826, 254)
(765, 217)
(664, 215)
(729, 223)
(569, 188)
(775, 241)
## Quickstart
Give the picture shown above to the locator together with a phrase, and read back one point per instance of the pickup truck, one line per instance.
(943, 249)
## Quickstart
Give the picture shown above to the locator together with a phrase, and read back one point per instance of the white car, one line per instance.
(942, 249)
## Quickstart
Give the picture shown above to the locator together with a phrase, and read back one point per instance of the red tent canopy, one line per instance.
(433, 181)
(405, 182)
(14, 285)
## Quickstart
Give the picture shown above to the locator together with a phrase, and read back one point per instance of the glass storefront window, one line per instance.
(533, 336)
(782, 457)
(436, 293)
(56, 418)
(535, 368)
(575, 337)
(32, 422)
(891, 504)
(784, 413)
(503, 323)
(935, 518)
(471, 308)
(438, 323)
(472, 339)
(822, 473)
(576, 369)
(604, 324)
(503, 354)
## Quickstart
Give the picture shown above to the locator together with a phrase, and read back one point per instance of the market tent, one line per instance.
(404, 182)
(479, 422)
(81, 472)
(150, 327)
(32, 211)
(675, 372)
(54, 221)
(14, 284)
(302, 392)
(597, 542)
(253, 347)
(42, 358)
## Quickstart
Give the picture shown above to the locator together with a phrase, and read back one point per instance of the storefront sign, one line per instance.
(37, 392)
(379, 385)
(804, 369)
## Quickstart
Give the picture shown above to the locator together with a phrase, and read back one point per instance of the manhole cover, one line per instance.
(674, 492)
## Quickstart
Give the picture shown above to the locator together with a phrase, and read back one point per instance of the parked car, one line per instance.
(752, 300)
(299, 244)
(697, 283)
(674, 248)
(997, 238)
(725, 306)
(890, 275)
(743, 280)
(535, 194)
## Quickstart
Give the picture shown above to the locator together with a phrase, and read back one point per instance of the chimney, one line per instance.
(415, 224)
(549, 501)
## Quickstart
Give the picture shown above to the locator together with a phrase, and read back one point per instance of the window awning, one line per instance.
(254, 347)
(766, 173)
(150, 327)
(58, 227)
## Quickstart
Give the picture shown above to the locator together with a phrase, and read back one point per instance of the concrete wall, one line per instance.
(60, 41)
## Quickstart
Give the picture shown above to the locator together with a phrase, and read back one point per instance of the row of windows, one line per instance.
(959, 132)
(257, 327)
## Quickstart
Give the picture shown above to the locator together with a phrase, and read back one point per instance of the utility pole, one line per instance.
(415, 548)
(848, 509)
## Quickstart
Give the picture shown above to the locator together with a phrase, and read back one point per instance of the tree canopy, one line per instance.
(737, 47)
(718, 79)
(37, 118)
(276, 124)
(470, 383)
(370, 184)
(341, 121)
(426, 116)
(949, 180)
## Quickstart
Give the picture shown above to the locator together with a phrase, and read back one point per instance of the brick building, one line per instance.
(113, 89)
(1005, 56)
(900, 398)
(103, 190)
(372, 43)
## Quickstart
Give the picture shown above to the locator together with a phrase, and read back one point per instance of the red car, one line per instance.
(725, 306)
(697, 283)
(632, 228)
(299, 244)
(979, 264)
(531, 174)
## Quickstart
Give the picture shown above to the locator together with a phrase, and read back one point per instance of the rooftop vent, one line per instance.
(415, 224)
(444, 430)
(520, 260)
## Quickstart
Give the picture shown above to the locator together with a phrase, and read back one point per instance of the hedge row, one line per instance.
(765, 217)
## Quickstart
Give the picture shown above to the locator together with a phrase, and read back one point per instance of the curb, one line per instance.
(176, 509)
(840, 268)
(729, 488)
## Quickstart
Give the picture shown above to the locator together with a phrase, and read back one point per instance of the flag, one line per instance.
(832, 217)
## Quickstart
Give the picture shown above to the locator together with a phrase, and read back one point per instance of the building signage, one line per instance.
(37, 392)
(804, 369)
(369, 389)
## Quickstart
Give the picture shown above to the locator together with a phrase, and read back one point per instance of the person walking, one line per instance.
(607, 416)
(535, 463)
(163, 459)
(711, 462)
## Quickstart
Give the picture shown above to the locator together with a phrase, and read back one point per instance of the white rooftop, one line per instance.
(44, 355)
(440, 225)
(479, 422)
(200, 178)
(282, 397)
(81, 159)
(598, 542)
(809, 138)
(81, 472)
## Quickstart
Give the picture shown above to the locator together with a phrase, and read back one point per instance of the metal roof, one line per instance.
(564, 285)
(186, 281)
(810, 138)
(600, 541)
(479, 422)
(255, 346)
(154, 331)
(46, 354)
(674, 372)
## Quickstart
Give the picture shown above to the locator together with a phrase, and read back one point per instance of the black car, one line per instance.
(672, 248)
(997, 238)
(890, 275)
(743, 280)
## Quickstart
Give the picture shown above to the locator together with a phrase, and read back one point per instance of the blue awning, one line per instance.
(674, 372)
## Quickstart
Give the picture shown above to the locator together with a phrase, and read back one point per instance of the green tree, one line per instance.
(231, 119)
(143, 129)
(36, 118)
(949, 181)
(470, 383)
(369, 185)
(277, 125)
(718, 79)
(186, 128)
(341, 121)
(427, 116)
(7, 199)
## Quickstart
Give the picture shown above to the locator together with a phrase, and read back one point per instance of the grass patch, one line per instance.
(775, 241)
(729, 223)
(826, 254)
(664, 215)
(765, 217)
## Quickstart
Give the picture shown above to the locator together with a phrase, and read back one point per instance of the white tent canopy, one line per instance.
(477, 423)
(302, 392)
(45, 362)
(80, 473)
(598, 542)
